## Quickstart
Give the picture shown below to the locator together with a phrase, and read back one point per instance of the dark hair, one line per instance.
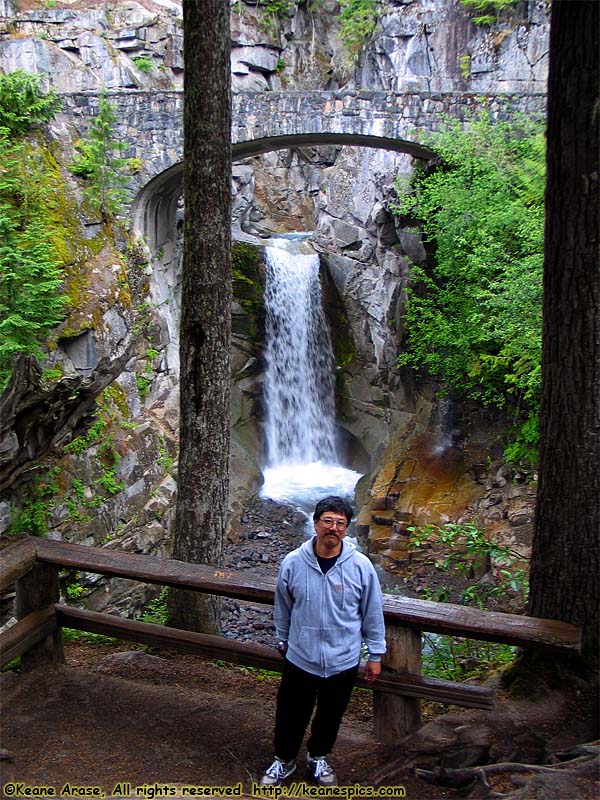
(335, 504)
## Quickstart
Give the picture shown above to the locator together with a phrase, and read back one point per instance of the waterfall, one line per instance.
(300, 432)
(299, 383)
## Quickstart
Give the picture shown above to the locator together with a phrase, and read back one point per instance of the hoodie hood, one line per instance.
(307, 552)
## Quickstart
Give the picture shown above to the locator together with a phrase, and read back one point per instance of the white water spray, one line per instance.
(299, 391)
(302, 462)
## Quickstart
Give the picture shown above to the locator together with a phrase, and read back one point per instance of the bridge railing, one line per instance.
(33, 566)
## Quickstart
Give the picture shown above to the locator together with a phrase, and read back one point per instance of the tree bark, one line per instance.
(565, 556)
(203, 480)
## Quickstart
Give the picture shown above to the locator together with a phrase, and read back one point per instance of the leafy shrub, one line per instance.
(110, 483)
(488, 9)
(280, 8)
(144, 64)
(30, 302)
(467, 547)
(473, 319)
(357, 23)
(456, 659)
(32, 516)
(156, 610)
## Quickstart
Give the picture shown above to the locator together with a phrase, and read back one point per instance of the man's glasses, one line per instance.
(334, 523)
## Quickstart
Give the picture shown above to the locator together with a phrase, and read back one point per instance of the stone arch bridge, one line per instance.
(151, 123)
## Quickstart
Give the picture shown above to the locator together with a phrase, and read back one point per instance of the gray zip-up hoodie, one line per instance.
(324, 618)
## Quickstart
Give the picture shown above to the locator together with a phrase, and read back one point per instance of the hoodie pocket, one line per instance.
(309, 644)
(336, 646)
(324, 647)
(335, 639)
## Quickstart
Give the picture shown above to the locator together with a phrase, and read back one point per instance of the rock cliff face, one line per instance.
(115, 483)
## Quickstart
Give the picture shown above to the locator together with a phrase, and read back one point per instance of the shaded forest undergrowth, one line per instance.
(112, 715)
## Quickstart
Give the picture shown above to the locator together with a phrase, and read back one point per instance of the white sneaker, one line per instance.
(278, 771)
(321, 771)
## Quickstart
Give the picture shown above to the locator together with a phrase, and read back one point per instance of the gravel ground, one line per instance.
(269, 531)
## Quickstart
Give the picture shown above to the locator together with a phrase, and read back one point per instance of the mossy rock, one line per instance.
(248, 288)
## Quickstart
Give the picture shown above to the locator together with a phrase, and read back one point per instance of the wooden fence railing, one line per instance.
(33, 565)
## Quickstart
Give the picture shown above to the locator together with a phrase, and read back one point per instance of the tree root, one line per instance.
(581, 762)
(35, 418)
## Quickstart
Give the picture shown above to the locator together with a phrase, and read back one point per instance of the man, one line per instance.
(327, 601)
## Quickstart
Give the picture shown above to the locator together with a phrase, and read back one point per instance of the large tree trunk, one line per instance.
(565, 558)
(203, 479)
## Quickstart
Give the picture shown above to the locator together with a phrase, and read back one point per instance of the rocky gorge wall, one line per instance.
(122, 495)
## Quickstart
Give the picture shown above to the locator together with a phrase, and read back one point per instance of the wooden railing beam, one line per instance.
(421, 615)
(26, 633)
(490, 626)
(16, 559)
(150, 569)
(33, 564)
(255, 655)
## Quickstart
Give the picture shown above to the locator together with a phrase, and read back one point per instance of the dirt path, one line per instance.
(112, 716)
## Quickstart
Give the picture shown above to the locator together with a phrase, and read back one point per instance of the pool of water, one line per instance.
(301, 486)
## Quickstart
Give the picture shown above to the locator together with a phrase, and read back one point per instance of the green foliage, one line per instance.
(143, 379)
(135, 165)
(57, 488)
(455, 659)
(99, 436)
(248, 288)
(245, 261)
(156, 610)
(280, 8)
(110, 483)
(73, 589)
(474, 319)
(523, 450)
(23, 102)
(464, 63)
(467, 547)
(74, 635)
(358, 19)
(258, 673)
(36, 503)
(165, 460)
(13, 666)
(144, 64)
(31, 301)
(488, 9)
(80, 444)
(143, 383)
(53, 373)
(99, 164)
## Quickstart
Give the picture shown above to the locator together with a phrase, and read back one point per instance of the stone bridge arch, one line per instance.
(154, 211)
(157, 220)
(150, 122)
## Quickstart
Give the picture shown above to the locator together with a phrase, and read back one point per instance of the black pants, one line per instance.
(298, 692)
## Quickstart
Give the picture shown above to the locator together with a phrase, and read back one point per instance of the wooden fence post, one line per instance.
(38, 589)
(395, 715)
